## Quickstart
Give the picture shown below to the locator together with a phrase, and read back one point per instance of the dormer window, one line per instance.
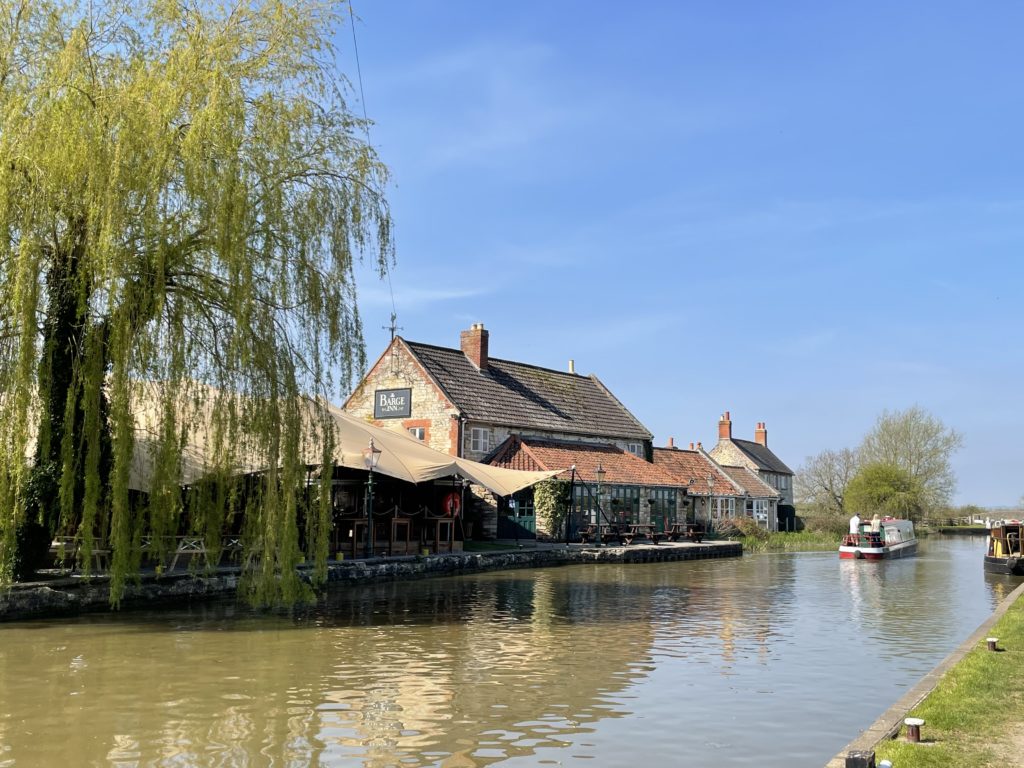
(637, 449)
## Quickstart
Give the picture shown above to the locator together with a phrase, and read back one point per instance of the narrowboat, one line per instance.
(1004, 553)
(894, 538)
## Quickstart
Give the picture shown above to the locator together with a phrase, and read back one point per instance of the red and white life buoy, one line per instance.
(452, 504)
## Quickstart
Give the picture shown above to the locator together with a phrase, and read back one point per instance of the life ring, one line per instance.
(452, 504)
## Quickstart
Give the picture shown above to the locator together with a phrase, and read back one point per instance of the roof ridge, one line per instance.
(491, 359)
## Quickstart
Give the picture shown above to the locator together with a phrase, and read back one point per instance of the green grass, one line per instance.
(973, 717)
(801, 541)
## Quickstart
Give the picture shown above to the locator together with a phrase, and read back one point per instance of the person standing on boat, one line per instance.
(855, 523)
(876, 530)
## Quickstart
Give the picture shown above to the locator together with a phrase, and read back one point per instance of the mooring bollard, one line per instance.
(913, 729)
(992, 641)
(859, 759)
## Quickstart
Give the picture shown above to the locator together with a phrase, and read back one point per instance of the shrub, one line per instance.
(32, 545)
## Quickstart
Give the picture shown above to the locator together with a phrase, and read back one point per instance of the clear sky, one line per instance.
(800, 212)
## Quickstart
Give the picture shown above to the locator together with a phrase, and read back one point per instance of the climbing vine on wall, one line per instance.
(551, 506)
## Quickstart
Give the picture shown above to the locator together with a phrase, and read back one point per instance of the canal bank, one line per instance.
(879, 737)
(71, 595)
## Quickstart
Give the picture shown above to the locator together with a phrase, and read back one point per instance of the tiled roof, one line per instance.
(692, 468)
(527, 397)
(621, 468)
(754, 486)
(761, 456)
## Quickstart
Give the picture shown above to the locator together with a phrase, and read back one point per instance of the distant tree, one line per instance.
(183, 194)
(919, 444)
(885, 489)
(821, 482)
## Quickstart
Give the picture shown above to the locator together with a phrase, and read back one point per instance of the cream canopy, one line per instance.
(405, 457)
(402, 456)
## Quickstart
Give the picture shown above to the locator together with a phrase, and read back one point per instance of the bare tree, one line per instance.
(921, 445)
(821, 482)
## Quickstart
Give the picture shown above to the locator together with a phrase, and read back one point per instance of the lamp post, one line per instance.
(599, 474)
(711, 490)
(571, 515)
(371, 456)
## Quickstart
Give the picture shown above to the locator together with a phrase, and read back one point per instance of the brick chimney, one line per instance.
(671, 442)
(725, 427)
(691, 446)
(761, 434)
(474, 345)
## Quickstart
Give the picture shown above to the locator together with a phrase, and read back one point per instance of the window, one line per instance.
(480, 440)
(783, 482)
(637, 449)
(723, 507)
(418, 432)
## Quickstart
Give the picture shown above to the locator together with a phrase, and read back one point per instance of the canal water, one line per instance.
(768, 660)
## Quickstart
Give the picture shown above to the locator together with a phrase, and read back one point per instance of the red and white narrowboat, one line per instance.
(894, 538)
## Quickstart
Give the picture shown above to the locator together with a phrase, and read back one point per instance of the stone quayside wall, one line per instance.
(70, 596)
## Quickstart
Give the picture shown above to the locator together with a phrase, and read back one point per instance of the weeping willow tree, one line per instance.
(183, 195)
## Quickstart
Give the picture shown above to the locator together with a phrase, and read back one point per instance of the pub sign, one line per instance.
(392, 404)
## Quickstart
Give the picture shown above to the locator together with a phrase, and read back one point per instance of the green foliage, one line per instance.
(801, 541)
(885, 489)
(832, 524)
(33, 544)
(742, 526)
(921, 445)
(183, 194)
(551, 503)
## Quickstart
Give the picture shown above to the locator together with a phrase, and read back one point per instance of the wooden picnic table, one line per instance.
(690, 531)
(642, 531)
(607, 532)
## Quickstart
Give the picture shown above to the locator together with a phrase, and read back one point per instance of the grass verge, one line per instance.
(974, 716)
(802, 541)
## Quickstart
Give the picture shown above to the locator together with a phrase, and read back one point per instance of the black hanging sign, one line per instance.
(392, 404)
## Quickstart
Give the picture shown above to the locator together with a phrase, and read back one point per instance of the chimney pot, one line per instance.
(671, 442)
(572, 365)
(474, 343)
(699, 446)
(691, 445)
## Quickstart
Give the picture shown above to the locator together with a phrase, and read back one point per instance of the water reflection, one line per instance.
(664, 662)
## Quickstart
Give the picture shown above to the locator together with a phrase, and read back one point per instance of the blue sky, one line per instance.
(800, 212)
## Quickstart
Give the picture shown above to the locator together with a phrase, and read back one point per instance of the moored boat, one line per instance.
(1004, 548)
(894, 538)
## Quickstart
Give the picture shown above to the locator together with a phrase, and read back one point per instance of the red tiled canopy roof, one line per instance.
(621, 468)
(692, 468)
(751, 483)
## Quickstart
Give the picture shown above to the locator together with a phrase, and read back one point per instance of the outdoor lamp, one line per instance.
(371, 456)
